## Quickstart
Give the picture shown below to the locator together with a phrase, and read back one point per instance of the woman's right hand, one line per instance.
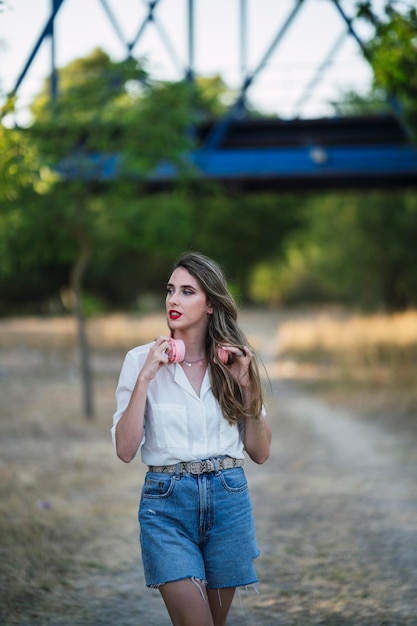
(130, 427)
(157, 358)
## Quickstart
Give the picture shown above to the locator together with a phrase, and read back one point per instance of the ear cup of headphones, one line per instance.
(223, 355)
(176, 353)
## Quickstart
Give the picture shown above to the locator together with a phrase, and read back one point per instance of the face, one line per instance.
(186, 302)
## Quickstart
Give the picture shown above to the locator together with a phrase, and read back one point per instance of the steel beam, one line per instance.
(319, 73)
(114, 23)
(221, 127)
(47, 32)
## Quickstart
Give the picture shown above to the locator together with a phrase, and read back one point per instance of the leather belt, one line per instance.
(198, 467)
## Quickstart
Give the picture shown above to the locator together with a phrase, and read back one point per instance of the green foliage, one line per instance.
(241, 230)
(108, 108)
(286, 280)
(393, 53)
(20, 166)
(71, 219)
(23, 181)
(121, 241)
(355, 248)
(237, 231)
(374, 102)
(84, 119)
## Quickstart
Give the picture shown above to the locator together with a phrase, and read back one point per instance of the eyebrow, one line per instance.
(183, 286)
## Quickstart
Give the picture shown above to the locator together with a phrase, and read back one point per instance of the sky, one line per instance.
(82, 25)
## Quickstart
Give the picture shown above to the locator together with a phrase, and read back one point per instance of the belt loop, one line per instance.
(215, 462)
(178, 470)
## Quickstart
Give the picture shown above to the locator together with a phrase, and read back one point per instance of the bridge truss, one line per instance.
(254, 153)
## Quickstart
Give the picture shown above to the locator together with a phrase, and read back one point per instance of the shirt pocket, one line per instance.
(228, 434)
(170, 426)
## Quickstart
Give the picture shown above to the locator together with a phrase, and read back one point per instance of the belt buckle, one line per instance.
(196, 467)
(201, 467)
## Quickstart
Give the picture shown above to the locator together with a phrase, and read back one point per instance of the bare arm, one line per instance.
(130, 427)
(257, 432)
(257, 438)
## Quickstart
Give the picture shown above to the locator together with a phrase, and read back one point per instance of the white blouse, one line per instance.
(180, 425)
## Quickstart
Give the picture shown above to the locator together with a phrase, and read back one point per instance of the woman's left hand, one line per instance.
(239, 367)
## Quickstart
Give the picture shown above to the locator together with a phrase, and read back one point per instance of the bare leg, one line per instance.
(220, 601)
(187, 603)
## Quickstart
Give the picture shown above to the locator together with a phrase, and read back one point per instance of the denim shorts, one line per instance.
(198, 526)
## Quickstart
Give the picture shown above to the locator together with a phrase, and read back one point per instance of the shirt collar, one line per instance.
(181, 379)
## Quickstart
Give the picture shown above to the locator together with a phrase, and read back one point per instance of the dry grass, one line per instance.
(67, 505)
(365, 361)
(350, 333)
(113, 331)
(60, 514)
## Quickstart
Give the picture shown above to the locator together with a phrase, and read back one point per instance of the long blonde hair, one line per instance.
(223, 328)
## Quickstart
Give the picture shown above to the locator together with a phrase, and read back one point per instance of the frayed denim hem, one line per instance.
(196, 581)
(199, 581)
(247, 588)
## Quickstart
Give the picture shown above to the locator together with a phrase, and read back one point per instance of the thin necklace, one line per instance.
(190, 363)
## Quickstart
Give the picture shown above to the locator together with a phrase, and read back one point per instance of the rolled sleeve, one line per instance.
(127, 380)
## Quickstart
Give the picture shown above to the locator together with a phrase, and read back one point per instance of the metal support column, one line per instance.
(56, 5)
(243, 42)
(220, 129)
(54, 73)
(190, 68)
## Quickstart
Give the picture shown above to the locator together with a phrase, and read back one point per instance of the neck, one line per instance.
(194, 361)
(195, 345)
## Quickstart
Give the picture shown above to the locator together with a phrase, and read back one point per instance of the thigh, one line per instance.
(186, 599)
(220, 601)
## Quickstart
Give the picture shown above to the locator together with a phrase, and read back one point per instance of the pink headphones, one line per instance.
(176, 353)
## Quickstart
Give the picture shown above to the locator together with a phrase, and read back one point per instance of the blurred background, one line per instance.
(278, 138)
(275, 137)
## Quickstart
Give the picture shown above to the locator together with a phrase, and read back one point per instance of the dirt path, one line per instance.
(336, 511)
(339, 525)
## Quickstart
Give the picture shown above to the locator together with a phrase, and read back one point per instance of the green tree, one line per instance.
(393, 52)
(110, 127)
(240, 230)
(356, 248)
(23, 180)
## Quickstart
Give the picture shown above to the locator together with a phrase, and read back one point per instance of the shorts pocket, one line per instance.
(157, 486)
(234, 479)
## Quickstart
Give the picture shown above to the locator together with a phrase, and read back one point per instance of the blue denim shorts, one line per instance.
(198, 526)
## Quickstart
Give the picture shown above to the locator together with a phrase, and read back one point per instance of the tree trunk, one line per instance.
(83, 347)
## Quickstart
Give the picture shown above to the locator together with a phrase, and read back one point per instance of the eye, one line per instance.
(187, 292)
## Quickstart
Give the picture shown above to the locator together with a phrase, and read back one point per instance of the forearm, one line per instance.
(130, 427)
(258, 435)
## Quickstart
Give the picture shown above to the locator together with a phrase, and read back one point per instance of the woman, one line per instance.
(192, 421)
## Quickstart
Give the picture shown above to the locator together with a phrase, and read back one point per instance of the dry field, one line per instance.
(367, 363)
(68, 534)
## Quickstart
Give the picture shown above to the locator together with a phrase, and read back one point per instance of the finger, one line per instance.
(162, 339)
(162, 346)
(245, 352)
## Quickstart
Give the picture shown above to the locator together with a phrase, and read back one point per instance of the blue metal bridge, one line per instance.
(247, 153)
(346, 152)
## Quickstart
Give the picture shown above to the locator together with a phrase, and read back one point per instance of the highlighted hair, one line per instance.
(223, 328)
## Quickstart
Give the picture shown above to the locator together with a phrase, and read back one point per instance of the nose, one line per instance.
(171, 298)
